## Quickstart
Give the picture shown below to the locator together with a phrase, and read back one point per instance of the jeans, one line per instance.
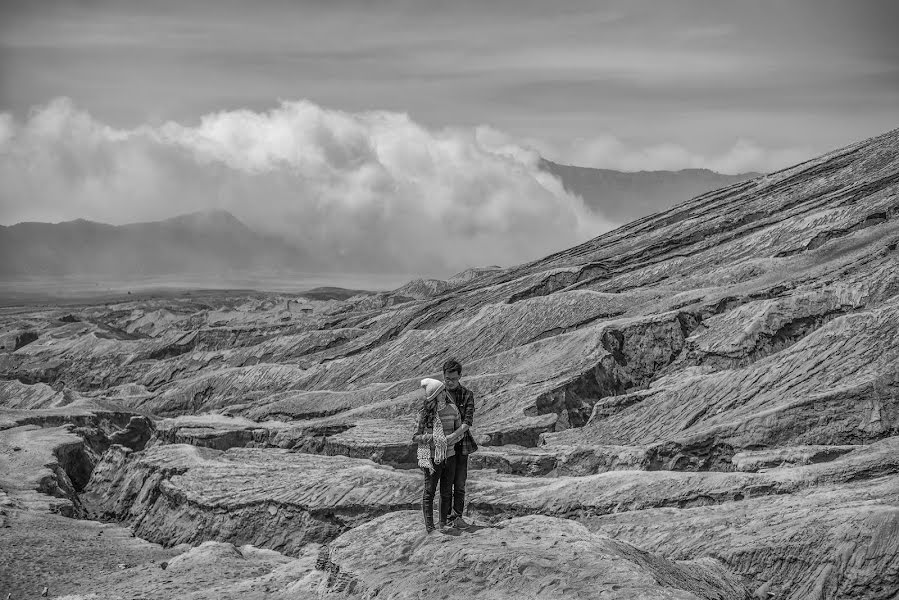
(459, 481)
(444, 474)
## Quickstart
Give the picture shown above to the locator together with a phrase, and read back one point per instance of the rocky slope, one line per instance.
(716, 384)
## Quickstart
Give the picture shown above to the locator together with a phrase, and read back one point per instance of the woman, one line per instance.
(438, 419)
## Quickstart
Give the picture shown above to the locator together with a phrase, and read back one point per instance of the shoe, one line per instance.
(441, 525)
(459, 523)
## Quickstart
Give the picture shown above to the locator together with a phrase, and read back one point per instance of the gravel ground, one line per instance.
(77, 559)
(66, 555)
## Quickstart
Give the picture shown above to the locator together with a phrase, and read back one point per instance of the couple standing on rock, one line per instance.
(444, 442)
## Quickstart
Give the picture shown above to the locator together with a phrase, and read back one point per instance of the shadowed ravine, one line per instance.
(701, 404)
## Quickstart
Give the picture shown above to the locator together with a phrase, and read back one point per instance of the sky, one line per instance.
(317, 118)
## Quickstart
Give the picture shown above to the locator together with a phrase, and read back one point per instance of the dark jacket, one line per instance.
(464, 399)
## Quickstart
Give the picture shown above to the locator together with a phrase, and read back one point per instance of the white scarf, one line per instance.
(439, 439)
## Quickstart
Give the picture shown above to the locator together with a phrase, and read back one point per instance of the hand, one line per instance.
(452, 438)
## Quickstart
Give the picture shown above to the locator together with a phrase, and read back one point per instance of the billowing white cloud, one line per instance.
(367, 191)
(610, 152)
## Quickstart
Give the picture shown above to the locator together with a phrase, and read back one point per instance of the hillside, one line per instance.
(623, 197)
(703, 403)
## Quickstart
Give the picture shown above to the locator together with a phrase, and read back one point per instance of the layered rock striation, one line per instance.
(716, 384)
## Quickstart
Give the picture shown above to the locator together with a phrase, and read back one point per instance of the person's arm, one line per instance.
(420, 437)
(468, 416)
(423, 438)
(459, 433)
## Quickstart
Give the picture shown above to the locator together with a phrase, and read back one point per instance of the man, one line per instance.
(461, 437)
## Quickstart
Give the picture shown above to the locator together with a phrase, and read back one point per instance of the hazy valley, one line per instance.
(215, 249)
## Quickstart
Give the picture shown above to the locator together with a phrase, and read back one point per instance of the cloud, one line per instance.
(610, 152)
(370, 191)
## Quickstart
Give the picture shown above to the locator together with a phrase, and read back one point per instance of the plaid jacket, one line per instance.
(464, 399)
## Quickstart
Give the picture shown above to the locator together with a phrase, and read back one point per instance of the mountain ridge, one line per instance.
(205, 241)
(622, 196)
(102, 249)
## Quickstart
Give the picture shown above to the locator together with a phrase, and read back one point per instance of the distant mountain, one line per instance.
(215, 242)
(624, 197)
(428, 288)
(208, 242)
(472, 273)
(325, 293)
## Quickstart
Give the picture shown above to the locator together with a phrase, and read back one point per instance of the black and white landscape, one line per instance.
(661, 238)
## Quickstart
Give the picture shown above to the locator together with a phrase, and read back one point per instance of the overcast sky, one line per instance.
(728, 85)
(703, 73)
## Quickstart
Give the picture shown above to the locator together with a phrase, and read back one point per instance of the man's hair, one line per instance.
(452, 366)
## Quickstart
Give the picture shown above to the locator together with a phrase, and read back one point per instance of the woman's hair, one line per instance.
(429, 408)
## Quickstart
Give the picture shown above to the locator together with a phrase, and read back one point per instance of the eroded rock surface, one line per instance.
(837, 541)
(269, 498)
(718, 381)
(283, 500)
(33, 463)
(526, 557)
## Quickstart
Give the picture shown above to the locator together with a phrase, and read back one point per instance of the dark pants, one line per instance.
(459, 481)
(444, 475)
